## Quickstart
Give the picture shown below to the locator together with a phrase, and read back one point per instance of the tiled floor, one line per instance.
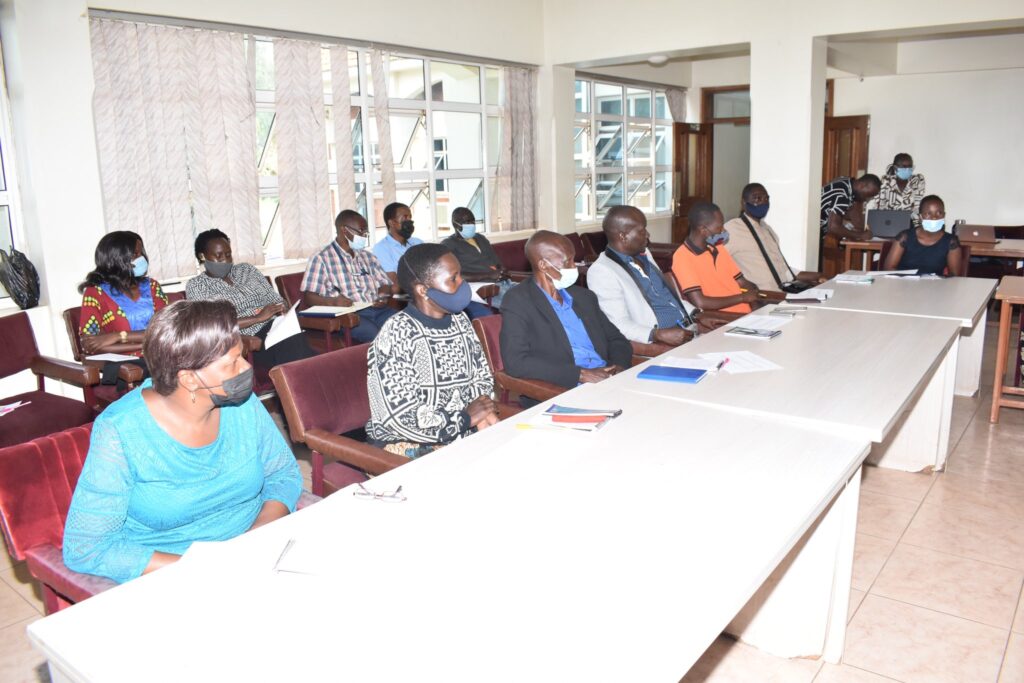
(938, 573)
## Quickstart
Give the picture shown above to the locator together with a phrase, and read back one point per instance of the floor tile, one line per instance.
(19, 661)
(729, 661)
(1018, 622)
(856, 597)
(13, 607)
(917, 645)
(6, 561)
(963, 492)
(1013, 662)
(869, 555)
(21, 581)
(973, 533)
(989, 451)
(974, 590)
(884, 516)
(909, 485)
(844, 673)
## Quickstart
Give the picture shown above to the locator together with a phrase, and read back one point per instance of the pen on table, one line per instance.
(287, 547)
(760, 294)
(722, 364)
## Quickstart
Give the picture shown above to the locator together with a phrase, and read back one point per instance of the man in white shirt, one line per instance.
(763, 264)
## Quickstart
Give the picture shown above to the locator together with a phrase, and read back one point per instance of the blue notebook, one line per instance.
(664, 373)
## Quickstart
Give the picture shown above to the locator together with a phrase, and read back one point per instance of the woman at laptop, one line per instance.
(928, 247)
(902, 189)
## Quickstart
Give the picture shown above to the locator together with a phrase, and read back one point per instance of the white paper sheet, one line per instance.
(284, 326)
(819, 293)
(338, 310)
(741, 362)
(761, 322)
(691, 363)
(475, 286)
(11, 407)
(111, 357)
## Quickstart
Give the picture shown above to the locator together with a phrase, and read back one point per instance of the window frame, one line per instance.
(9, 196)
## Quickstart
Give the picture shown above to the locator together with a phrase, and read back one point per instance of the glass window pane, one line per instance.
(663, 145)
(639, 100)
(361, 199)
(415, 195)
(584, 200)
(268, 158)
(264, 124)
(608, 98)
(493, 141)
(727, 105)
(661, 106)
(640, 143)
(454, 82)
(264, 57)
(408, 141)
(583, 152)
(494, 84)
(461, 133)
(467, 192)
(608, 192)
(405, 78)
(662, 191)
(608, 146)
(639, 191)
(582, 96)
(353, 72)
(268, 222)
(356, 127)
(358, 162)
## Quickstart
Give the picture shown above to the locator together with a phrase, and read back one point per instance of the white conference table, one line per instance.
(964, 299)
(884, 378)
(519, 555)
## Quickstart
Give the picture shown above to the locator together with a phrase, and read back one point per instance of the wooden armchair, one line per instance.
(320, 331)
(489, 332)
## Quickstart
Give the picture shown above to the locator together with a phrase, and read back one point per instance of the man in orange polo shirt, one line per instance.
(707, 275)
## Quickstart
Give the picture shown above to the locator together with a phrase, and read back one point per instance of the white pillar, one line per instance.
(555, 176)
(787, 94)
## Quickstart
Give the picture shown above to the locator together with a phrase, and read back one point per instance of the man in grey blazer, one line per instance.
(630, 287)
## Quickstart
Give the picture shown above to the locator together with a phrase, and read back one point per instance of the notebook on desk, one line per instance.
(888, 224)
(665, 373)
(976, 234)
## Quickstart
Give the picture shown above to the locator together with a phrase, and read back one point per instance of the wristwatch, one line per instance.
(124, 337)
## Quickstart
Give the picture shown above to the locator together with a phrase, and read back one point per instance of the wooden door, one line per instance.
(846, 147)
(691, 182)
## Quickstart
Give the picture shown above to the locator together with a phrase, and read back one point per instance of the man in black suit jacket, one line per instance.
(554, 331)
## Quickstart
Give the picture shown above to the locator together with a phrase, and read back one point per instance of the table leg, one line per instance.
(847, 259)
(920, 440)
(968, 363)
(802, 609)
(1005, 314)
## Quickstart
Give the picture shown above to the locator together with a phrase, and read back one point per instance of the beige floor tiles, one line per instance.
(917, 645)
(895, 483)
(19, 661)
(13, 607)
(729, 661)
(21, 581)
(856, 597)
(963, 492)
(884, 516)
(989, 451)
(869, 555)
(973, 533)
(1018, 622)
(1013, 662)
(965, 588)
(843, 673)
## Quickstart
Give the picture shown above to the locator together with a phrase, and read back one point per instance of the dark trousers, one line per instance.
(294, 347)
(370, 321)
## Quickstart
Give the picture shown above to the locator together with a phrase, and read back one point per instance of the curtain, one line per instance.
(305, 200)
(382, 112)
(676, 98)
(174, 113)
(520, 116)
(341, 107)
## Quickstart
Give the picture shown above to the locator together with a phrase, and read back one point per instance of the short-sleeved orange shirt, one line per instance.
(713, 274)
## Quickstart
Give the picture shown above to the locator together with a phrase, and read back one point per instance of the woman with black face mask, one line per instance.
(248, 290)
(428, 382)
(191, 455)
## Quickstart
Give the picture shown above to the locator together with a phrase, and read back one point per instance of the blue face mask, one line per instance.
(933, 226)
(718, 238)
(757, 211)
(140, 266)
(455, 302)
(467, 230)
(904, 173)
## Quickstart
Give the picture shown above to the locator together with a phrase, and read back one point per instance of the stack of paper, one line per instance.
(815, 294)
(577, 419)
(855, 279)
(333, 311)
(740, 362)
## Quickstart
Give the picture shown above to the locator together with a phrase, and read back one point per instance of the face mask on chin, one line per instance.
(237, 389)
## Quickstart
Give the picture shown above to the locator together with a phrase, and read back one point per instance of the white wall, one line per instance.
(731, 169)
(963, 130)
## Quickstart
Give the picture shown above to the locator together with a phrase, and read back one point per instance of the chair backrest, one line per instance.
(582, 253)
(670, 277)
(324, 392)
(289, 286)
(174, 296)
(18, 342)
(512, 255)
(965, 260)
(488, 330)
(37, 479)
(1009, 232)
(596, 241)
(72, 323)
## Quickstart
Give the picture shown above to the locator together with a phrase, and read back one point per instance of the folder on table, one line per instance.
(664, 373)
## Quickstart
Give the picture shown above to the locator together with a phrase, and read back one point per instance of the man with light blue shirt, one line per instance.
(398, 219)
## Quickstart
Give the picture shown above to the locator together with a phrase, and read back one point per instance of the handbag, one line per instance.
(19, 278)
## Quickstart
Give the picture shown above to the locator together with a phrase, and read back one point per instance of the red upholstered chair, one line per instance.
(44, 413)
(513, 256)
(582, 252)
(320, 331)
(101, 395)
(488, 330)
(325, 397)
(663, 253)
(596, 243)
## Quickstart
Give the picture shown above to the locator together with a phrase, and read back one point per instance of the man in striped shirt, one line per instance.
(842, 202)
(346, 272)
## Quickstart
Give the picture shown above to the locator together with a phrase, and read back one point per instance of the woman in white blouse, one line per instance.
(248, 290)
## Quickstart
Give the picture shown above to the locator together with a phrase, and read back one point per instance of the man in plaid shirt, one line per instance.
(346, 272)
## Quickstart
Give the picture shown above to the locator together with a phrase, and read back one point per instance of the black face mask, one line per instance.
(407, 229)
(237, 389)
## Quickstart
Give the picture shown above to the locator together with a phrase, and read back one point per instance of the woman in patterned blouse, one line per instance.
(428, 379)
(902, 189)
(248, 290)
(118, 299)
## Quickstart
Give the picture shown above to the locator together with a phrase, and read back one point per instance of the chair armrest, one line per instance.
(46, 565)
(518, 275)
(130, 373)
(250, 344)
(353, 453)
(537, 389)
(488, 291)
(306, 499)
(65, 371)
(348, 320)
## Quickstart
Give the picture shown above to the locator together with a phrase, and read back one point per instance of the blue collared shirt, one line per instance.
(389, 250)
(666, 310)
(583, 352)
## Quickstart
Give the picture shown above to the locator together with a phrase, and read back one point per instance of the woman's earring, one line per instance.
(193, 395)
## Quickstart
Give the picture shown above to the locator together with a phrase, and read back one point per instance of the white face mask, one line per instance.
(358, 241)
(566, 277)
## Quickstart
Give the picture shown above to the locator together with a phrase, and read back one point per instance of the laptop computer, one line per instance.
(976, 234)
(888, 224)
